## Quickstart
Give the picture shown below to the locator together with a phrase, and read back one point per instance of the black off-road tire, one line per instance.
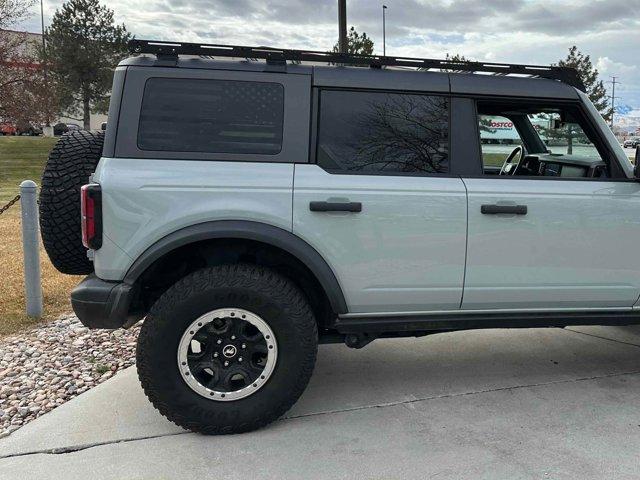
(253, 288)
(70, 163)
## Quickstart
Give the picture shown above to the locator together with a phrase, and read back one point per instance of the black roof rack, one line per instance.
(277, 55)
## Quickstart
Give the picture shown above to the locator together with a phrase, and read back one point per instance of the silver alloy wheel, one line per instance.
(227, 354)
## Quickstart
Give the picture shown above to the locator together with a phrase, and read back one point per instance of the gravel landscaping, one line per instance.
(49, 365)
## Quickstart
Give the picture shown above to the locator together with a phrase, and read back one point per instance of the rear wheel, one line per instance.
(227, 349)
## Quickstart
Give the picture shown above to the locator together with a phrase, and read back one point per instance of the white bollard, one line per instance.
(31, 248)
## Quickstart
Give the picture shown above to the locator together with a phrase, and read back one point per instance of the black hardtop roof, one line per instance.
(329, 70)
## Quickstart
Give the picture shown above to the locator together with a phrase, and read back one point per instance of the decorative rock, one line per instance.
(49, 365)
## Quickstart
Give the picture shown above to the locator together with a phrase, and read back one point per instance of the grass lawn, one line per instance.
(24, 158)
(493, 159)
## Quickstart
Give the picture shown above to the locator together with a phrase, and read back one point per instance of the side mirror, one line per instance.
(557, 124)
(636, 168)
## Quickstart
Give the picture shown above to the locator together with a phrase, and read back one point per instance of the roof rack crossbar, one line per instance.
(564, 74)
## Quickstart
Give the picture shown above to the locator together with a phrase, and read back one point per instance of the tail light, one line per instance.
(91, 215)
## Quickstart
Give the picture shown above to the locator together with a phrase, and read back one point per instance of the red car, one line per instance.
(8, 129)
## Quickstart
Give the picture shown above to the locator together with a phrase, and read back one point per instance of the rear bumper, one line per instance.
(102, 304)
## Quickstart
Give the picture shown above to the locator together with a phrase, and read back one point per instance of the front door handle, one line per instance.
(495, 209)
(335, 206)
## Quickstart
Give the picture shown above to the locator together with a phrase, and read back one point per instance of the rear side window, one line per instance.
(212, 116)
(381, 132)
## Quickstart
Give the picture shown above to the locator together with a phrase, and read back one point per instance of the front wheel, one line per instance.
(227, 349)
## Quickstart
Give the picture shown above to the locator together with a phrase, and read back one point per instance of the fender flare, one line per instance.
(246, 230)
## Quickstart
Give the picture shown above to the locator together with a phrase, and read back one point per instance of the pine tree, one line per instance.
(83, 47)
(357, 44)
(590, 77)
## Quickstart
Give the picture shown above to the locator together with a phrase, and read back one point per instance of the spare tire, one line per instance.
(70, 163)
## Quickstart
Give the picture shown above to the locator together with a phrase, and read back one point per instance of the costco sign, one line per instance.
(499, 128)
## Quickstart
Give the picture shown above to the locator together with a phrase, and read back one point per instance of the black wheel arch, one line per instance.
(249, 231)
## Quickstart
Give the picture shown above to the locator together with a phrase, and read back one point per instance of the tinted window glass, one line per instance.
(383, 132)
(214, 116)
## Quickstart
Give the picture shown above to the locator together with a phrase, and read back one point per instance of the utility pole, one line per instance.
(342, 26)
(384, 32)
(613, 98)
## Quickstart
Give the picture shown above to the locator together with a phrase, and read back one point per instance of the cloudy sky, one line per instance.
(527, 31)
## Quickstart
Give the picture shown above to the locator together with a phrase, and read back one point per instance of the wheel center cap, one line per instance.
(229, 351)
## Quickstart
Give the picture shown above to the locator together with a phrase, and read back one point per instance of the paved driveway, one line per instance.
(501, 404)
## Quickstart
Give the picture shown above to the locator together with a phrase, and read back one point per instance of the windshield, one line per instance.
(625, 162)
(566, 139)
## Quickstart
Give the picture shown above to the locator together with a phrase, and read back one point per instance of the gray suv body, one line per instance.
(249, 210)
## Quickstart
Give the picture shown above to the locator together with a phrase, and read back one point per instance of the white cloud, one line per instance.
(523, 31)
(607, 66)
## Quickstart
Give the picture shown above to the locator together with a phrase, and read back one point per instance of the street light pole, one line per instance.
(384, 31)
(44, 54)
(42, 21)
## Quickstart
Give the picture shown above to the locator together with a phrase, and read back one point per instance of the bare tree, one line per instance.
(24, 96)
(404, 133)
(12, 12)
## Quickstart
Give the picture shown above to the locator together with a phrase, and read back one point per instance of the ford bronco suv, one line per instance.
(251, 203)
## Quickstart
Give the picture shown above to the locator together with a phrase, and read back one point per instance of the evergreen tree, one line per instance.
(590, 77)
(83, 47)
(357, 44)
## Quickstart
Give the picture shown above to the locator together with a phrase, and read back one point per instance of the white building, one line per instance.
(35, 39)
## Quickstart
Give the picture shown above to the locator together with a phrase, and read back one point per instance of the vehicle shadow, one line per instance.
(457, 363)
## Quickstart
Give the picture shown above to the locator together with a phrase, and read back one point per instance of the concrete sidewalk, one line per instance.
(546, 403)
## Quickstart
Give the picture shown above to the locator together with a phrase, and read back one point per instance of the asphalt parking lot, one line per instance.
(496, 404)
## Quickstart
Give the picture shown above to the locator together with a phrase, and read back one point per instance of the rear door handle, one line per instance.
(335, 206)
(495, 209)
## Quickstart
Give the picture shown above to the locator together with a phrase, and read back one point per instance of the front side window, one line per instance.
(387, 133)
(522, 139)
(212, 116)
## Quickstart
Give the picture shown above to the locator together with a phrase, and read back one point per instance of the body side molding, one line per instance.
(468, 320)
(246, 230)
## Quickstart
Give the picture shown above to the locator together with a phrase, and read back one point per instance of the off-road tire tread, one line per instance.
(253, 277)
(73, 158)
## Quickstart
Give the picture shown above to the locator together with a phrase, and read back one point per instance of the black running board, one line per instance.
(465, 321)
